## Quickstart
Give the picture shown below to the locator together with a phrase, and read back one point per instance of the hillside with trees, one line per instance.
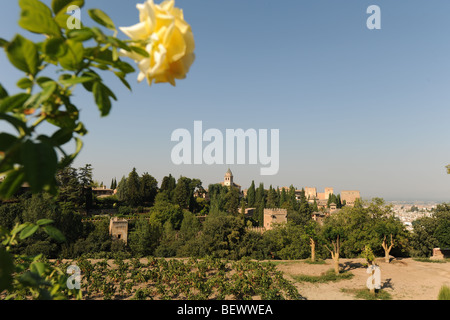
(179, 218)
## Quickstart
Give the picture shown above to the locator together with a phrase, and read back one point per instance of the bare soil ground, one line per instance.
(403, 279)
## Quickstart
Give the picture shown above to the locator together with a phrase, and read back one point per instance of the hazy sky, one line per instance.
(356, 108)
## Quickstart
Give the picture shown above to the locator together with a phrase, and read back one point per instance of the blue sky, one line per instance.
(356, 108)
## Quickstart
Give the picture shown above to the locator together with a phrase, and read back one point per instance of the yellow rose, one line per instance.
(168, 39)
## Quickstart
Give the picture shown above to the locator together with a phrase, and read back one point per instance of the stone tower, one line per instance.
(118, 229)
(328, 191)
(228, 180)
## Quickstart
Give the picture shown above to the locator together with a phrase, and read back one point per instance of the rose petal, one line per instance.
(139, 31)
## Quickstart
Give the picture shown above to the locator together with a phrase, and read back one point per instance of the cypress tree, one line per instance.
(260, 204)
(283, 197)
(133, 189)
(272, 201)
(122, 189)
(251, 195)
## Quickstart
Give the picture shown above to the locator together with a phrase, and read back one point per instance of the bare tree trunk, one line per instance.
(335, 254)
(387, 249)
(313, 249)
(336, 265)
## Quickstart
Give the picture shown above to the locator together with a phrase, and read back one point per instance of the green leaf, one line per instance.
(121, 77)
(25, 83)
(115, 54)
(18, 228)
(62, 5)
(102, 18)
(118, 43)
(40, 162)
(12, 183)
(63, 120)
(48, 89)
(140, 51)
(99, 35)
(74, 56)
(41, 80)
(6, 270)
(3, 43)
(42, 222)
(62, 136)
(23, 54)
(123, 66)
(67, 161)
(102, 96)
(3, 93)
(36, 100)
(13, 102)
(62, 19)
(30, 279)
(76, 80)
(28, 231)
(80, 34)
(54, 233)
(80, 129)
(6, 141)
(37, 17)
(38, 267)
(20, 126)
(55, 47)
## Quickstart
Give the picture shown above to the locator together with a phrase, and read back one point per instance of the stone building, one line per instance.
(272, 216)
(228, 180)
(311, 194)
(118, 229)
(103, 192)
(350, 196)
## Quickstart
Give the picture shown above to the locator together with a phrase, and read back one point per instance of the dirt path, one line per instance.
(403, 279)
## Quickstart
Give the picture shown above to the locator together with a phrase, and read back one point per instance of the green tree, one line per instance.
(168, 185)
(293, 204)
(148, 188)
(232, 200)
(217, 193)
(283, 197)
(260, 204)
(85, 177)
(243, 207)
(69, 187)
(221, 235)
(163, 211)
(272, 198)
(122, 189)
(431, 232)
(182, 194)
(10, 214)
(367, 225)
(251, 195)
(312, 236)
(134, 196)
(339, 201)
(144, 239)
(190, 226)
(113, 184)
(168, 244)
